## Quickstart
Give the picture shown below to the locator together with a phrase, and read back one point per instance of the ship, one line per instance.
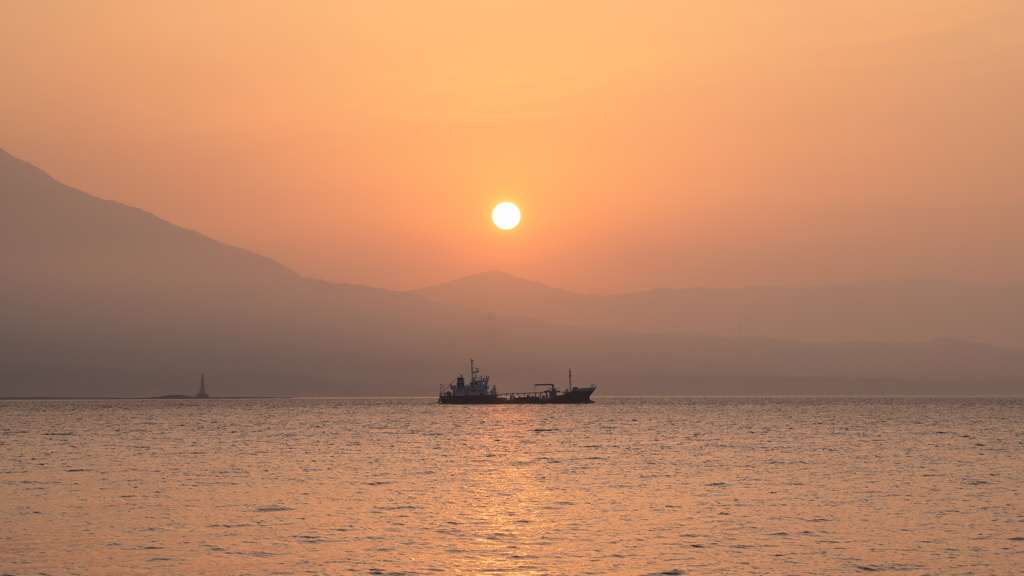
(479, 390)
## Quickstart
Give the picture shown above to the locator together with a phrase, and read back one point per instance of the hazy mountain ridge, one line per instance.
(101, 299)
(916, 310)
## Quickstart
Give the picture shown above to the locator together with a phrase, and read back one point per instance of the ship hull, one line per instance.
(478, 399)
(571, 397)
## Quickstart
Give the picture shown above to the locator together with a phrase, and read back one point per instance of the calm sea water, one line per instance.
(406, 486)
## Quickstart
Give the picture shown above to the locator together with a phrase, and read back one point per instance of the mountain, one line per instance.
(915, 310)
(102, 299)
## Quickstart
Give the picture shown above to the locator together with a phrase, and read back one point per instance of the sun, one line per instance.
(505, 215)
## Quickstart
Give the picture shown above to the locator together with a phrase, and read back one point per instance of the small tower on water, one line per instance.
(202, 387)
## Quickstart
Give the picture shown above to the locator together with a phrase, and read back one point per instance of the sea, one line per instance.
(632, 486)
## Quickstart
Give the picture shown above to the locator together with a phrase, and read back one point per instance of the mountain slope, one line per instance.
(101, 299)
(915, 310)
(93, 283)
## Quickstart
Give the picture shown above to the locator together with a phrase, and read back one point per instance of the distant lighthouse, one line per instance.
(202, 387)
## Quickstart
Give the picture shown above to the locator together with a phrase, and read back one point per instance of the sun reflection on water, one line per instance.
(499, 526)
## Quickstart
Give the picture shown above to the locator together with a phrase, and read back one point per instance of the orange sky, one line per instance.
(678, 144)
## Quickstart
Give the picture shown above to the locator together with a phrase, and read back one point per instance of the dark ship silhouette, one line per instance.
(480, 391)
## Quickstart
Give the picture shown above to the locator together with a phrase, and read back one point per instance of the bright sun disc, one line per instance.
(505, 215)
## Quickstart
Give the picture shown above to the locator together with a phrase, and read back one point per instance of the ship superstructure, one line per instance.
(477, 391)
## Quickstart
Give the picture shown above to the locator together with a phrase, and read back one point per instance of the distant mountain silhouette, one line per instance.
(915, 310)
(102, 299)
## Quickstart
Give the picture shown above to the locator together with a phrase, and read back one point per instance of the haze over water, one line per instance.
(405, 486)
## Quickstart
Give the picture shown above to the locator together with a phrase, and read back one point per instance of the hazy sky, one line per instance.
(701, 143)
